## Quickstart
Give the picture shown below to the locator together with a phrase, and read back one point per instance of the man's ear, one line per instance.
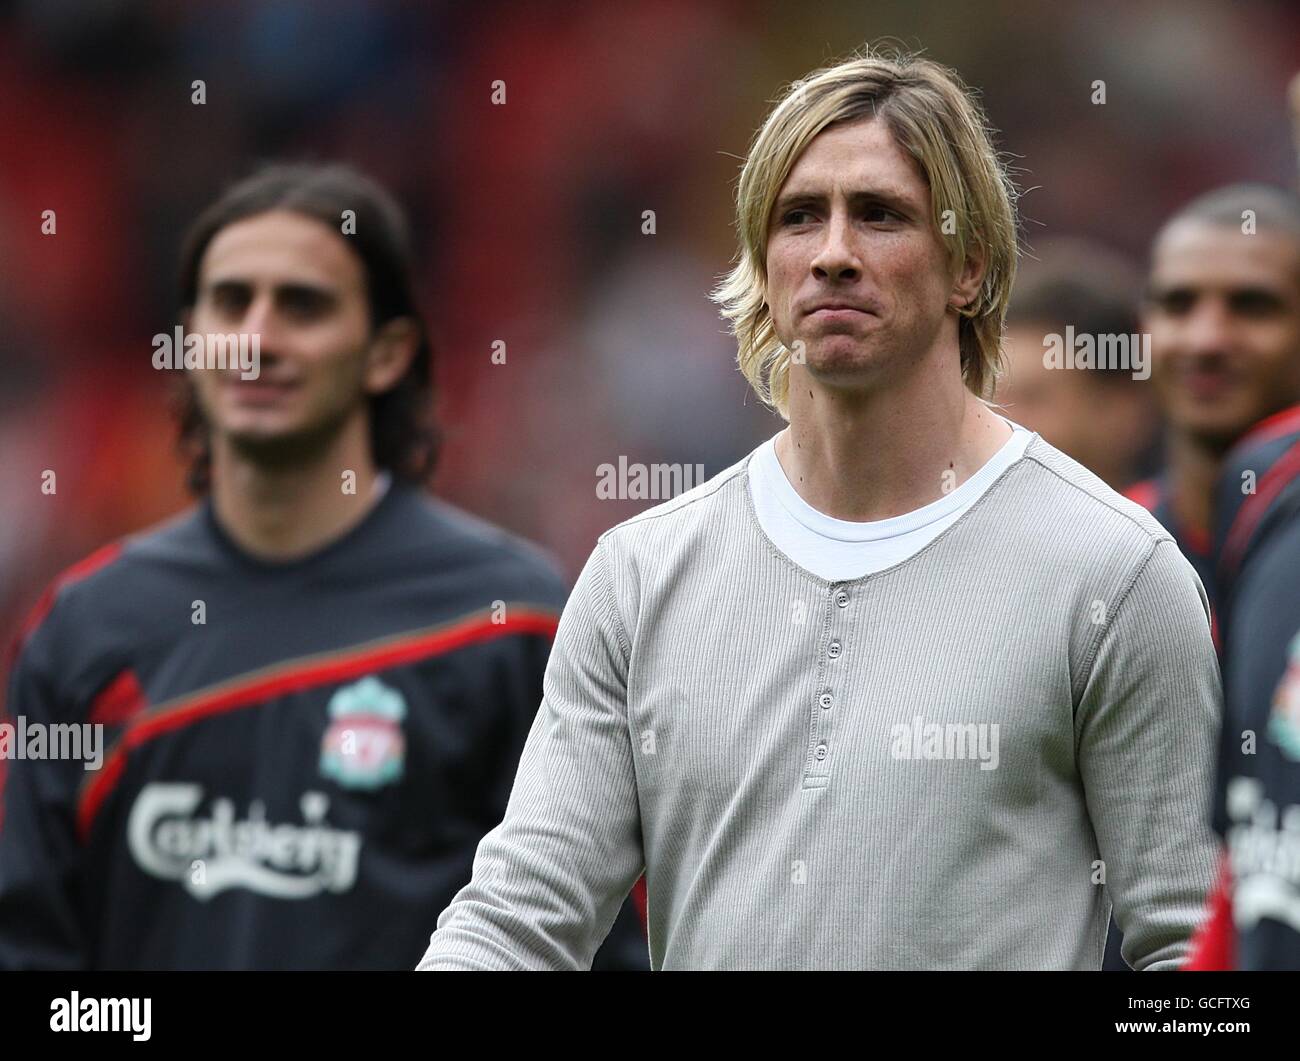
(970, 278)
(390, 354)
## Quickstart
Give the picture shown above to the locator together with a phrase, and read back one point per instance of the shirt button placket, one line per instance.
(819, 774)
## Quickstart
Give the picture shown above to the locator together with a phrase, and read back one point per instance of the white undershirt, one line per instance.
(840, 550)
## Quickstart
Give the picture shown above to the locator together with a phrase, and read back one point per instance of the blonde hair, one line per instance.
(935, 118)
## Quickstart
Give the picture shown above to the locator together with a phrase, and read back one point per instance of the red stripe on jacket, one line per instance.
(82, 569)
(296, 676)
(1287, 422)
(1254, 508)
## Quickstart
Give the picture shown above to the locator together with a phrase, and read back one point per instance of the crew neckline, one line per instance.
(385, 495)
(820, 523)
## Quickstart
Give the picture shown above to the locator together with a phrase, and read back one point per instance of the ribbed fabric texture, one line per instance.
(762, 742)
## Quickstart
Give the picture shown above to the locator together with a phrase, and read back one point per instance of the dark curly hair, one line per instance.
(403, 437)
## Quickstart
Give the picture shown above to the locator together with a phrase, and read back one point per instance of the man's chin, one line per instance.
(1219, 430)
(281, 447)
(839, 360)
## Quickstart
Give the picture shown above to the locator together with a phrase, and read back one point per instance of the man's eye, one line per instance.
(1255, 304)
(876, 214)
(227, 301)
(1175, 303)
(797, 217)
(303, 304)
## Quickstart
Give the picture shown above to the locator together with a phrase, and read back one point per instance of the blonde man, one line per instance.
(906, 687)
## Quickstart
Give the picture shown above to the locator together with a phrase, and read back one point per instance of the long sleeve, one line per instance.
(549, 880)
(40, 857)
(1145, 732)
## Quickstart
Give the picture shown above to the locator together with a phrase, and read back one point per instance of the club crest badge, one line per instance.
(1284, 723)
(364, 746)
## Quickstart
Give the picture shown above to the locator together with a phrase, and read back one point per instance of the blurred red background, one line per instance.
(528, 216)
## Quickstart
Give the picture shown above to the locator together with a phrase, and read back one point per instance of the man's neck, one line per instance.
(1193, 470)
(284, 513)
(866, 457)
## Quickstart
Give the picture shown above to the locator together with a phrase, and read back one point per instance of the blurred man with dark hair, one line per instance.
(1224, 321)
(1101, 416)
(1254, 920)
(315, 685)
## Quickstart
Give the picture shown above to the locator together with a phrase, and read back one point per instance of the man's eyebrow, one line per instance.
(294, 288)
(226, 282)
(1161, 290)
(1255, 290)
(1155, 291)
(884, 196)
(301, 287)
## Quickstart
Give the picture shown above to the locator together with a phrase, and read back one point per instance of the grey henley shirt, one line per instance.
(959, 762)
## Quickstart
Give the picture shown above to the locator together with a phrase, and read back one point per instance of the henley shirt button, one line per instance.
(842, 598)
(820, 753)
(834, 649)
(825, 700)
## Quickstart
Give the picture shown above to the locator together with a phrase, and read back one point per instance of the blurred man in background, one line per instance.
(1254, 920)
(1102, 417)
(314, 685)
(1225, 338)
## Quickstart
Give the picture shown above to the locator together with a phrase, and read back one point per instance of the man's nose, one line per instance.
(837, 259)
(1207, 328)
(261, 319)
